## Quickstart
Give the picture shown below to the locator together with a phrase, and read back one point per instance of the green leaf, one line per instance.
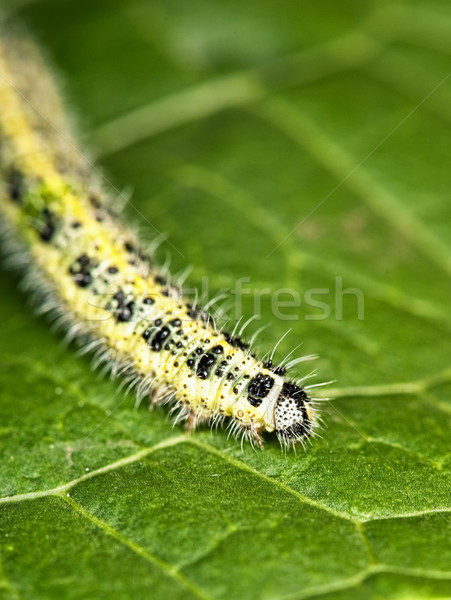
(287, 145)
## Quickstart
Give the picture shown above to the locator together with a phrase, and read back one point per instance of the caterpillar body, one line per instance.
(92, 273)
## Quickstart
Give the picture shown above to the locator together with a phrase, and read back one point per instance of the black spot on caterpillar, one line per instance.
(93, 272)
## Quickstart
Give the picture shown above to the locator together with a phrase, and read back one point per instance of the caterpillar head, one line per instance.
(293, 415)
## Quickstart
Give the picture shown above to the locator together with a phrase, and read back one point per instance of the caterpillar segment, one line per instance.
(92, 274)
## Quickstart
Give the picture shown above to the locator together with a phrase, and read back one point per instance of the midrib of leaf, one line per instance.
(63, 489)
(359, 578)
(353, 50)
(173, 572)
(418, 388)
(248, 91)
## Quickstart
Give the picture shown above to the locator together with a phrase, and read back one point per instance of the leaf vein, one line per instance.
(168, 569)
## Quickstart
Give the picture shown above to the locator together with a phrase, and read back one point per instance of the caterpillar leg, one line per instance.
(191, 422)
(194, 419)
(249, 432)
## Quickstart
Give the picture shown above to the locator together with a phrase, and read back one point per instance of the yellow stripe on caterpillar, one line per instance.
(106, 290)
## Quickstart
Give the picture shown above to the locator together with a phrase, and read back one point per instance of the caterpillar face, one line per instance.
(92, 272)
(293, 414)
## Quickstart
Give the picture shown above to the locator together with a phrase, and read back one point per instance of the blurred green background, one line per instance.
(234, 122)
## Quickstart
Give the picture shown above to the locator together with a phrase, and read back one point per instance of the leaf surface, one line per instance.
(296, 146)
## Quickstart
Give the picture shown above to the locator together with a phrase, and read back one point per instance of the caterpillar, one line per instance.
(91, 272)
